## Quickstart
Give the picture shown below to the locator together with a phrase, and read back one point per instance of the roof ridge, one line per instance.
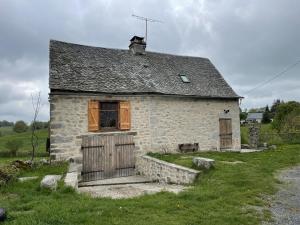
(127, 50)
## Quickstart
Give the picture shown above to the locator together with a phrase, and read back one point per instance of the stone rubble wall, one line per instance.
(254, 129)
(164, 172)
(161, 123)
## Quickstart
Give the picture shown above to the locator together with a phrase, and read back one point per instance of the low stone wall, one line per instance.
(164, 172)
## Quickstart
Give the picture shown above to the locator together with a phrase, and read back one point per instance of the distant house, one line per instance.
(114, 105)
(254, 117)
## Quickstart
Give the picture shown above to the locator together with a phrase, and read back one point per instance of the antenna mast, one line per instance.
(146, 22)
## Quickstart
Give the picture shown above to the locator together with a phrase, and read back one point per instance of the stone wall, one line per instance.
(161, 123)
(164, 172)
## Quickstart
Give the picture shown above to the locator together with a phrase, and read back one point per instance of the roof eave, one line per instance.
(69, 92)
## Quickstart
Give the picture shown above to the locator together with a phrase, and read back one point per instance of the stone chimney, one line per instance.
(137, 45)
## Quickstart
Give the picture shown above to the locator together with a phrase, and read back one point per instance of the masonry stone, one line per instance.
(203, 163)
(161, 123)
(56, 125)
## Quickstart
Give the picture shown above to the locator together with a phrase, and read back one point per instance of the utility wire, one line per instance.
(273, 78)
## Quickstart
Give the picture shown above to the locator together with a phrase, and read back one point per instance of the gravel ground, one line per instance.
(285, 206)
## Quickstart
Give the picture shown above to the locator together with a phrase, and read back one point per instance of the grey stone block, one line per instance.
(60, 139)
(56, 125)
(71, 179)
(204, 163)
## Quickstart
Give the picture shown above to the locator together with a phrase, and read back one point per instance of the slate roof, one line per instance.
(254, 116)
(82, 68)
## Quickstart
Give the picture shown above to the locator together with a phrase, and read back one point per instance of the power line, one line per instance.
(273, 78)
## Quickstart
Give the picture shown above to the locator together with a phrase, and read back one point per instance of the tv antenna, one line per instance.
(146, 22)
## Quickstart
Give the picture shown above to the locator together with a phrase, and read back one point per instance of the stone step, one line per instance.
(116, 181)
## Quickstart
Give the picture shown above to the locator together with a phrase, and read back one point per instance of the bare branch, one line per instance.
(36, 105)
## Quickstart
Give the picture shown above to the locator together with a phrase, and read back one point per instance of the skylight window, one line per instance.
(184, 78)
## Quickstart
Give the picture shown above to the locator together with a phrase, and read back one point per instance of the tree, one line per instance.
(266, 115)
(285, 114)
(39, 125)
(36, 104)
(20, 126)
(243, 114)
(274, 107)
(13, 146)
(5, 123)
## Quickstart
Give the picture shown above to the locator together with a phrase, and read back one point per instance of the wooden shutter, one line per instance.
(93, 115)
(124, 116)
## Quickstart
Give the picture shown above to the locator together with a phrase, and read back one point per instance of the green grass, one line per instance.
(7, 160)
(26, 139)
(267, 134)
(244, 135)
(223, 195)
(6, 131)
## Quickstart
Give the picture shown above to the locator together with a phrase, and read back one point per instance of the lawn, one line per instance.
(268, 135)
(25, 138)
(223, 195)
(6, 131)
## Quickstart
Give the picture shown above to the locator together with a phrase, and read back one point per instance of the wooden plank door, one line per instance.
(107, 157)
(93, 150)
(124, 160)
(225, 133)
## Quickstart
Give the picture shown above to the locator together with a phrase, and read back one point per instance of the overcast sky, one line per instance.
(248, 41)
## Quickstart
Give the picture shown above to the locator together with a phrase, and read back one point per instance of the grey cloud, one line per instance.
(248, 41)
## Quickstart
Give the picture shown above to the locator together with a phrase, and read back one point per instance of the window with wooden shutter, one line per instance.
(93, 115)
(124, 116)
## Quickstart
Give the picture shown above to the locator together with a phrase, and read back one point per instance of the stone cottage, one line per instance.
(161, 100)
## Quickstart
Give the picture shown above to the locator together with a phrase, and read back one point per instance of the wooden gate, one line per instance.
(107, 157)
(225, 133)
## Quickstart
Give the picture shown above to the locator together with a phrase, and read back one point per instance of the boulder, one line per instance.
(2, 214)
(203, 163)
(50, 181)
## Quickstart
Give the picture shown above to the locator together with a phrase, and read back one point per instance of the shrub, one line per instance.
(244, 140)
(20, 126)
(13, 146)
(39, 125)
(286, 116)
(266, 115)
(7, 173)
